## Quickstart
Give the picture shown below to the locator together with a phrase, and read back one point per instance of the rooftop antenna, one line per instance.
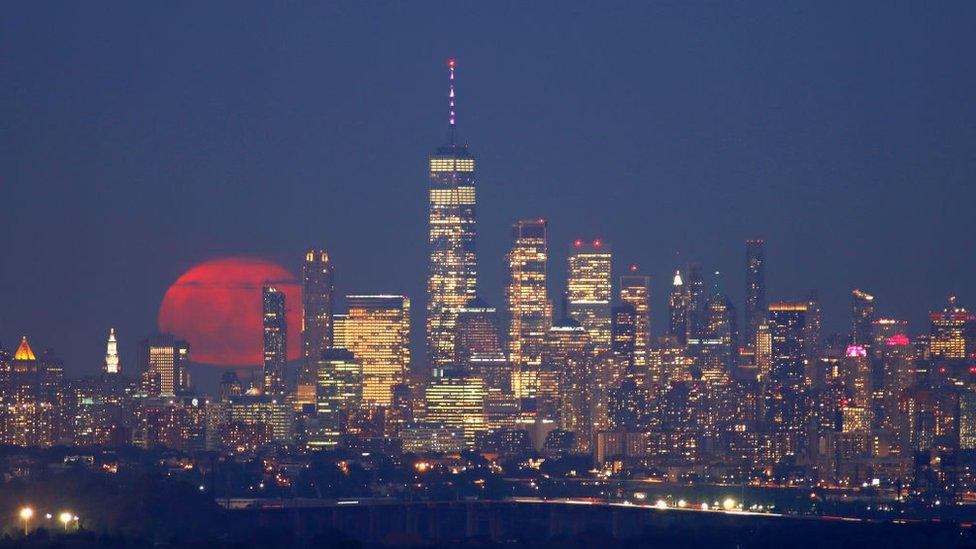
(451, 64)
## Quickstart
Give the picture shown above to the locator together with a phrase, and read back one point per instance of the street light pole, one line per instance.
(25, 514)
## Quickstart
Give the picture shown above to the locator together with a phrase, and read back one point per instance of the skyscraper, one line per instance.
(377, 332)
(457, 401)
(722, 328)
(339, 390)
(165, 361)
(275, 341)
(697, 299)
(479, 346)
(317, 330)
(30, 417)
(112, 354)
(755, 286)
(588, 290)
(453, 266)
(787, 326)
(678, 309)
(635, 290)
(567, 358)
(953, 331)
(623, 338)
(785, 397)
(862, 309)
(526, 294)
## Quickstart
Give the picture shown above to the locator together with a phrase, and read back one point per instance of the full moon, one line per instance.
(217, 307)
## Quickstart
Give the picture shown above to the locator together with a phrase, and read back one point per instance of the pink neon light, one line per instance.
(856, 351)
(898, 340)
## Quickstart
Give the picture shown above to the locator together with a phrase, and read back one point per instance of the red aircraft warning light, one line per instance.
(451, 63)
(577, 243)
(597, 243)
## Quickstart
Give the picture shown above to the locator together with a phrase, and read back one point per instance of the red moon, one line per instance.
(216, 306)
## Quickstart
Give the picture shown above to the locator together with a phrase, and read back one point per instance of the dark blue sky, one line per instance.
(138, 140)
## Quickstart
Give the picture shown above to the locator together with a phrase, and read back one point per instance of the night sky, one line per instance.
(139, 140)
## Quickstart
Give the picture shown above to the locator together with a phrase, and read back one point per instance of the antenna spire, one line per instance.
(451, 63)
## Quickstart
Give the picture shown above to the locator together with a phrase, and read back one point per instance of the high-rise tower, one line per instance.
(275, 340)
(588, 290)
(635, 290)
(526, 296)
(165, 365)
(318, 288)
(377, 331)
(678, 309)
(755, 286)
(317, 303)
(862, 315)
(112, 353)
(453, 265)
(697, 299)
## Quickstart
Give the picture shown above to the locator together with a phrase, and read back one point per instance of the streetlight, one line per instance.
(25, 514)
(66, 518)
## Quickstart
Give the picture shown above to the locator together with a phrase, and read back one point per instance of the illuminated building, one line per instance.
(339, 391)
(479, 348)
(112, 354)
(566, 357)
(432, 437)
(862, 307)
(814, 333)
(97, 412)
(377, 332)
(893, 350)
(786, 405)
(31, 412)
(318, 289)
(720, 325)
(178, 423)
(340, 337)
(755, 286)
(526, 296)
(953, 331)
(458, 403)
(275, 341)
(623, 334)
(787, 322)
(165, 365)
(967, 420)
(453, 268)
(694, 283)
(669, 362)
(635, 290)
(626, 409)
(859, 375)
(588, 291)
(678, 304)
(763, 345)
(264, 412)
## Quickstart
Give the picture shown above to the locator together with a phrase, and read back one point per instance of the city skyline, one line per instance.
(317, 274)
(798, 260)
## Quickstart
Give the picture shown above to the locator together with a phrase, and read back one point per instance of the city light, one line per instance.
(534, 377)
(66, 518)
